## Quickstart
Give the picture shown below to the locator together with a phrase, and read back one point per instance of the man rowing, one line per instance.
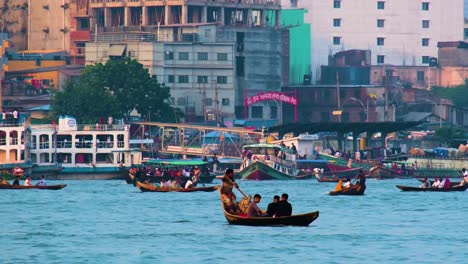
(227, 195)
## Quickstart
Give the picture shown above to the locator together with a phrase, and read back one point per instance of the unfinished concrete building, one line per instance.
(215, 51)
(13, 20)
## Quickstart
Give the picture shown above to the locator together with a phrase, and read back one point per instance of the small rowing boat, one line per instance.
(356, 189)
(418, 189)
(19, 187)
(293, 220)
(152, 188)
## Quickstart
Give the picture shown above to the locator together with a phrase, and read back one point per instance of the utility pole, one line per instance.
(338, 99)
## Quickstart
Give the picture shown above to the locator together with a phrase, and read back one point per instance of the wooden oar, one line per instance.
(245, 195)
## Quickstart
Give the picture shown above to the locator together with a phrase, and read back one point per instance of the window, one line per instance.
(425, 6)
(380, 41)
(226, 101)
(170, 79)
(380, 5)
(183, 79)
(336, 40)
(202, 79)
(337, 22)
(336, 4)
(181, 101)
(202, 56)
(273, 112)
(380, 59)
(425, 59)
(183, 56)
(221, 79)
(420, 76)
(425, 42)
(208, 101)
(168, 55)
(257, 111)
(425, 23)
(380, 23)
(222, 57)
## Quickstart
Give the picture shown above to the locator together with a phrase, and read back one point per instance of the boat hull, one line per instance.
(353, 190)
(152, 188)
(259, 171)
(418, 189)
(19, 187)
(293, 220)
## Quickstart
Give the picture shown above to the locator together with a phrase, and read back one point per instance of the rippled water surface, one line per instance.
(112, 222)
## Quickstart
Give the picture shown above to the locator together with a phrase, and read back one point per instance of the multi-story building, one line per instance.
(210, 53)
(397, 32)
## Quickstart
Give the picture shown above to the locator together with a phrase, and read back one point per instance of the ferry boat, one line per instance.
(83, 151)
(12, 149)
(268, 162)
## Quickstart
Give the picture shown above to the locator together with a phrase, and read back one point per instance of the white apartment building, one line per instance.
(200, 74)
(397, 32)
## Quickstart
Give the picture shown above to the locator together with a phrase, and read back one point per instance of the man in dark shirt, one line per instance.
(16, 182)
(284, 207)
(362, 178)
(273, 207)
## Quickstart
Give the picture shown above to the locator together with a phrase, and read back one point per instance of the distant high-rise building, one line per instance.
(397, 32)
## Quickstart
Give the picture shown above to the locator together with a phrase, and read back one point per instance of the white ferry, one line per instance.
(12, 148)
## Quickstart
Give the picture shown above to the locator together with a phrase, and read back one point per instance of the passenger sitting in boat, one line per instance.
(253, 210)
(176, 184)
(339, 186)
(441, 184)
(227, 195)
(42, 181)
(347, 183)
(27, 182)
(196, 175)
(189, 184)
(157, 173)
(273, 206)
(436, 183)
(3, 181)
(465, 177)
(425, 184)
(284, 207)
(362, 178)
(162, 184)
(16, 182)
(447, 183)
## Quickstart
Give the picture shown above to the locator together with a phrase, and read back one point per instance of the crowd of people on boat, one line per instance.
(27, 181)
(442, 183)
(277, 208)
(170, 178)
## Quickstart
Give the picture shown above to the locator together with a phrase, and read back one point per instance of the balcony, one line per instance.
(80, 35)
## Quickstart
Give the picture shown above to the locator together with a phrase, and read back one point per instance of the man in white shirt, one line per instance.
(347, 183)
(436, 183)
(188, 184)
(441, 184)
(465, 177)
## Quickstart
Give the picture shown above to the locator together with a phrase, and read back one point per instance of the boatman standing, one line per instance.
(227, 195)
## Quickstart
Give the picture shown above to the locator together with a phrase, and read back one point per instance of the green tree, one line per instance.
(114, 89)
(457, 94)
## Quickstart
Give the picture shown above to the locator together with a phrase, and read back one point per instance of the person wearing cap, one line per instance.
(272, 209)
(227, 195)
(27, 182)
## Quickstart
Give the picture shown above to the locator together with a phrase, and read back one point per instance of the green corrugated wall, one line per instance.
(299, 42)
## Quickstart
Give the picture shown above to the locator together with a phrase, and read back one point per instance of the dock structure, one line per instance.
(197, 140)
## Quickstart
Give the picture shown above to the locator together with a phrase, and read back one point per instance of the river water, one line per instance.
(112, 222)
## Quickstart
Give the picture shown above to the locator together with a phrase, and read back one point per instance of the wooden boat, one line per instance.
(335, 176)
(20, 187)
(382, 172)
(418, 189)
(356, 189)
(266, 165)
(293, 220)
(152, 188)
